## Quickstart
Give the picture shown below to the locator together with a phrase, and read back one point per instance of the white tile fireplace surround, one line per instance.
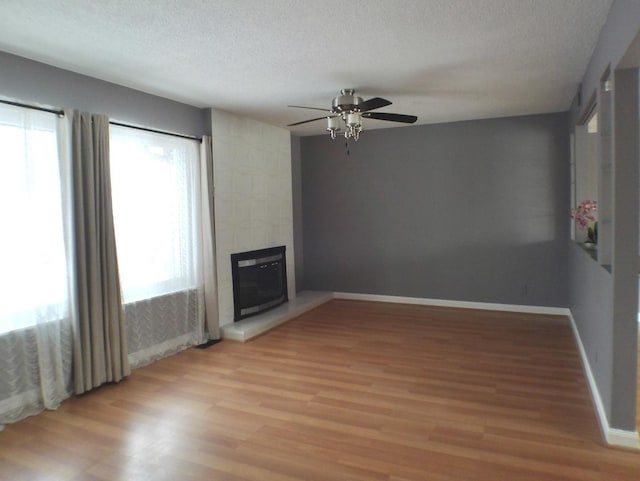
(253, 199)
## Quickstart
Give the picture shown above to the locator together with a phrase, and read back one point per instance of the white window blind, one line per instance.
(33, 261)
(156, 204)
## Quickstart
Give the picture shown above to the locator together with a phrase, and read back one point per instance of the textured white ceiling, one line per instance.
(442, 60)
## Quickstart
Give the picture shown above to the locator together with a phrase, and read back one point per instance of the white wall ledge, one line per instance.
(251, 327)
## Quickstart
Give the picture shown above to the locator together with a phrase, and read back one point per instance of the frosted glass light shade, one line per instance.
(333, 124)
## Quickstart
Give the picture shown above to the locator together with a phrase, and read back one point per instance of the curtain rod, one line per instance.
(120, 124)
(155, 131)
(33, 107)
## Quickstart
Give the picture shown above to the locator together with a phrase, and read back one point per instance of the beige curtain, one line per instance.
(212, 324)
(100, 344)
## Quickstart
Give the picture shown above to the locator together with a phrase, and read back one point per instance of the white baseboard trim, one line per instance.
(558, 311)
(612, 436)
(593, 387)
(622, 438)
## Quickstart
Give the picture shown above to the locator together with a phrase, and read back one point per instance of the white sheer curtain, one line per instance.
(35, 273)
(157, 213)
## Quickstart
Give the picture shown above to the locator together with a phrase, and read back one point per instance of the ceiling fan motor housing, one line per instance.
(346, 101)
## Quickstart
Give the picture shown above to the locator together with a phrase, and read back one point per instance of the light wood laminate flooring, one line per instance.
(348, 391)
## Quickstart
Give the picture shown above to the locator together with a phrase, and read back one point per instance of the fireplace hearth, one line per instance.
(259, 281)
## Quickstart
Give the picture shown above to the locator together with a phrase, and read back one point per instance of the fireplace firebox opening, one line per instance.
(259, 281)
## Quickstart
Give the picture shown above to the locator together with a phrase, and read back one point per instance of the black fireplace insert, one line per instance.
(259, 281)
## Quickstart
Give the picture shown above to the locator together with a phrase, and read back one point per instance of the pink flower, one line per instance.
(582, 214)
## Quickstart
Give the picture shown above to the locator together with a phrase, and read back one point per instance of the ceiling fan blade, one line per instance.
(374, 103)
(312, 108)
(306, 121)
(407, 119)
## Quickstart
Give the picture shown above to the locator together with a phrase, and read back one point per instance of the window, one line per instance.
(156, 206)
(33, 260)
(592, 174)
(586, 172)
(587, 159)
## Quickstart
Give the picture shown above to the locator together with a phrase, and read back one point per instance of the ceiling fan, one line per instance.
(347, 110)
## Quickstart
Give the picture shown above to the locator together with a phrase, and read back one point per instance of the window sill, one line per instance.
(591, 250)
(593, 253)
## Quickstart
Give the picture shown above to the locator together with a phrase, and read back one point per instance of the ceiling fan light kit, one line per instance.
(333, 126)
(348, 110)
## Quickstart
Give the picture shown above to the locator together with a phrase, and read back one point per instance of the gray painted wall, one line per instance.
(468, 211)
(591, 304)
(625, 249)
(296, 194)
(604, 315)
(34, 82)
